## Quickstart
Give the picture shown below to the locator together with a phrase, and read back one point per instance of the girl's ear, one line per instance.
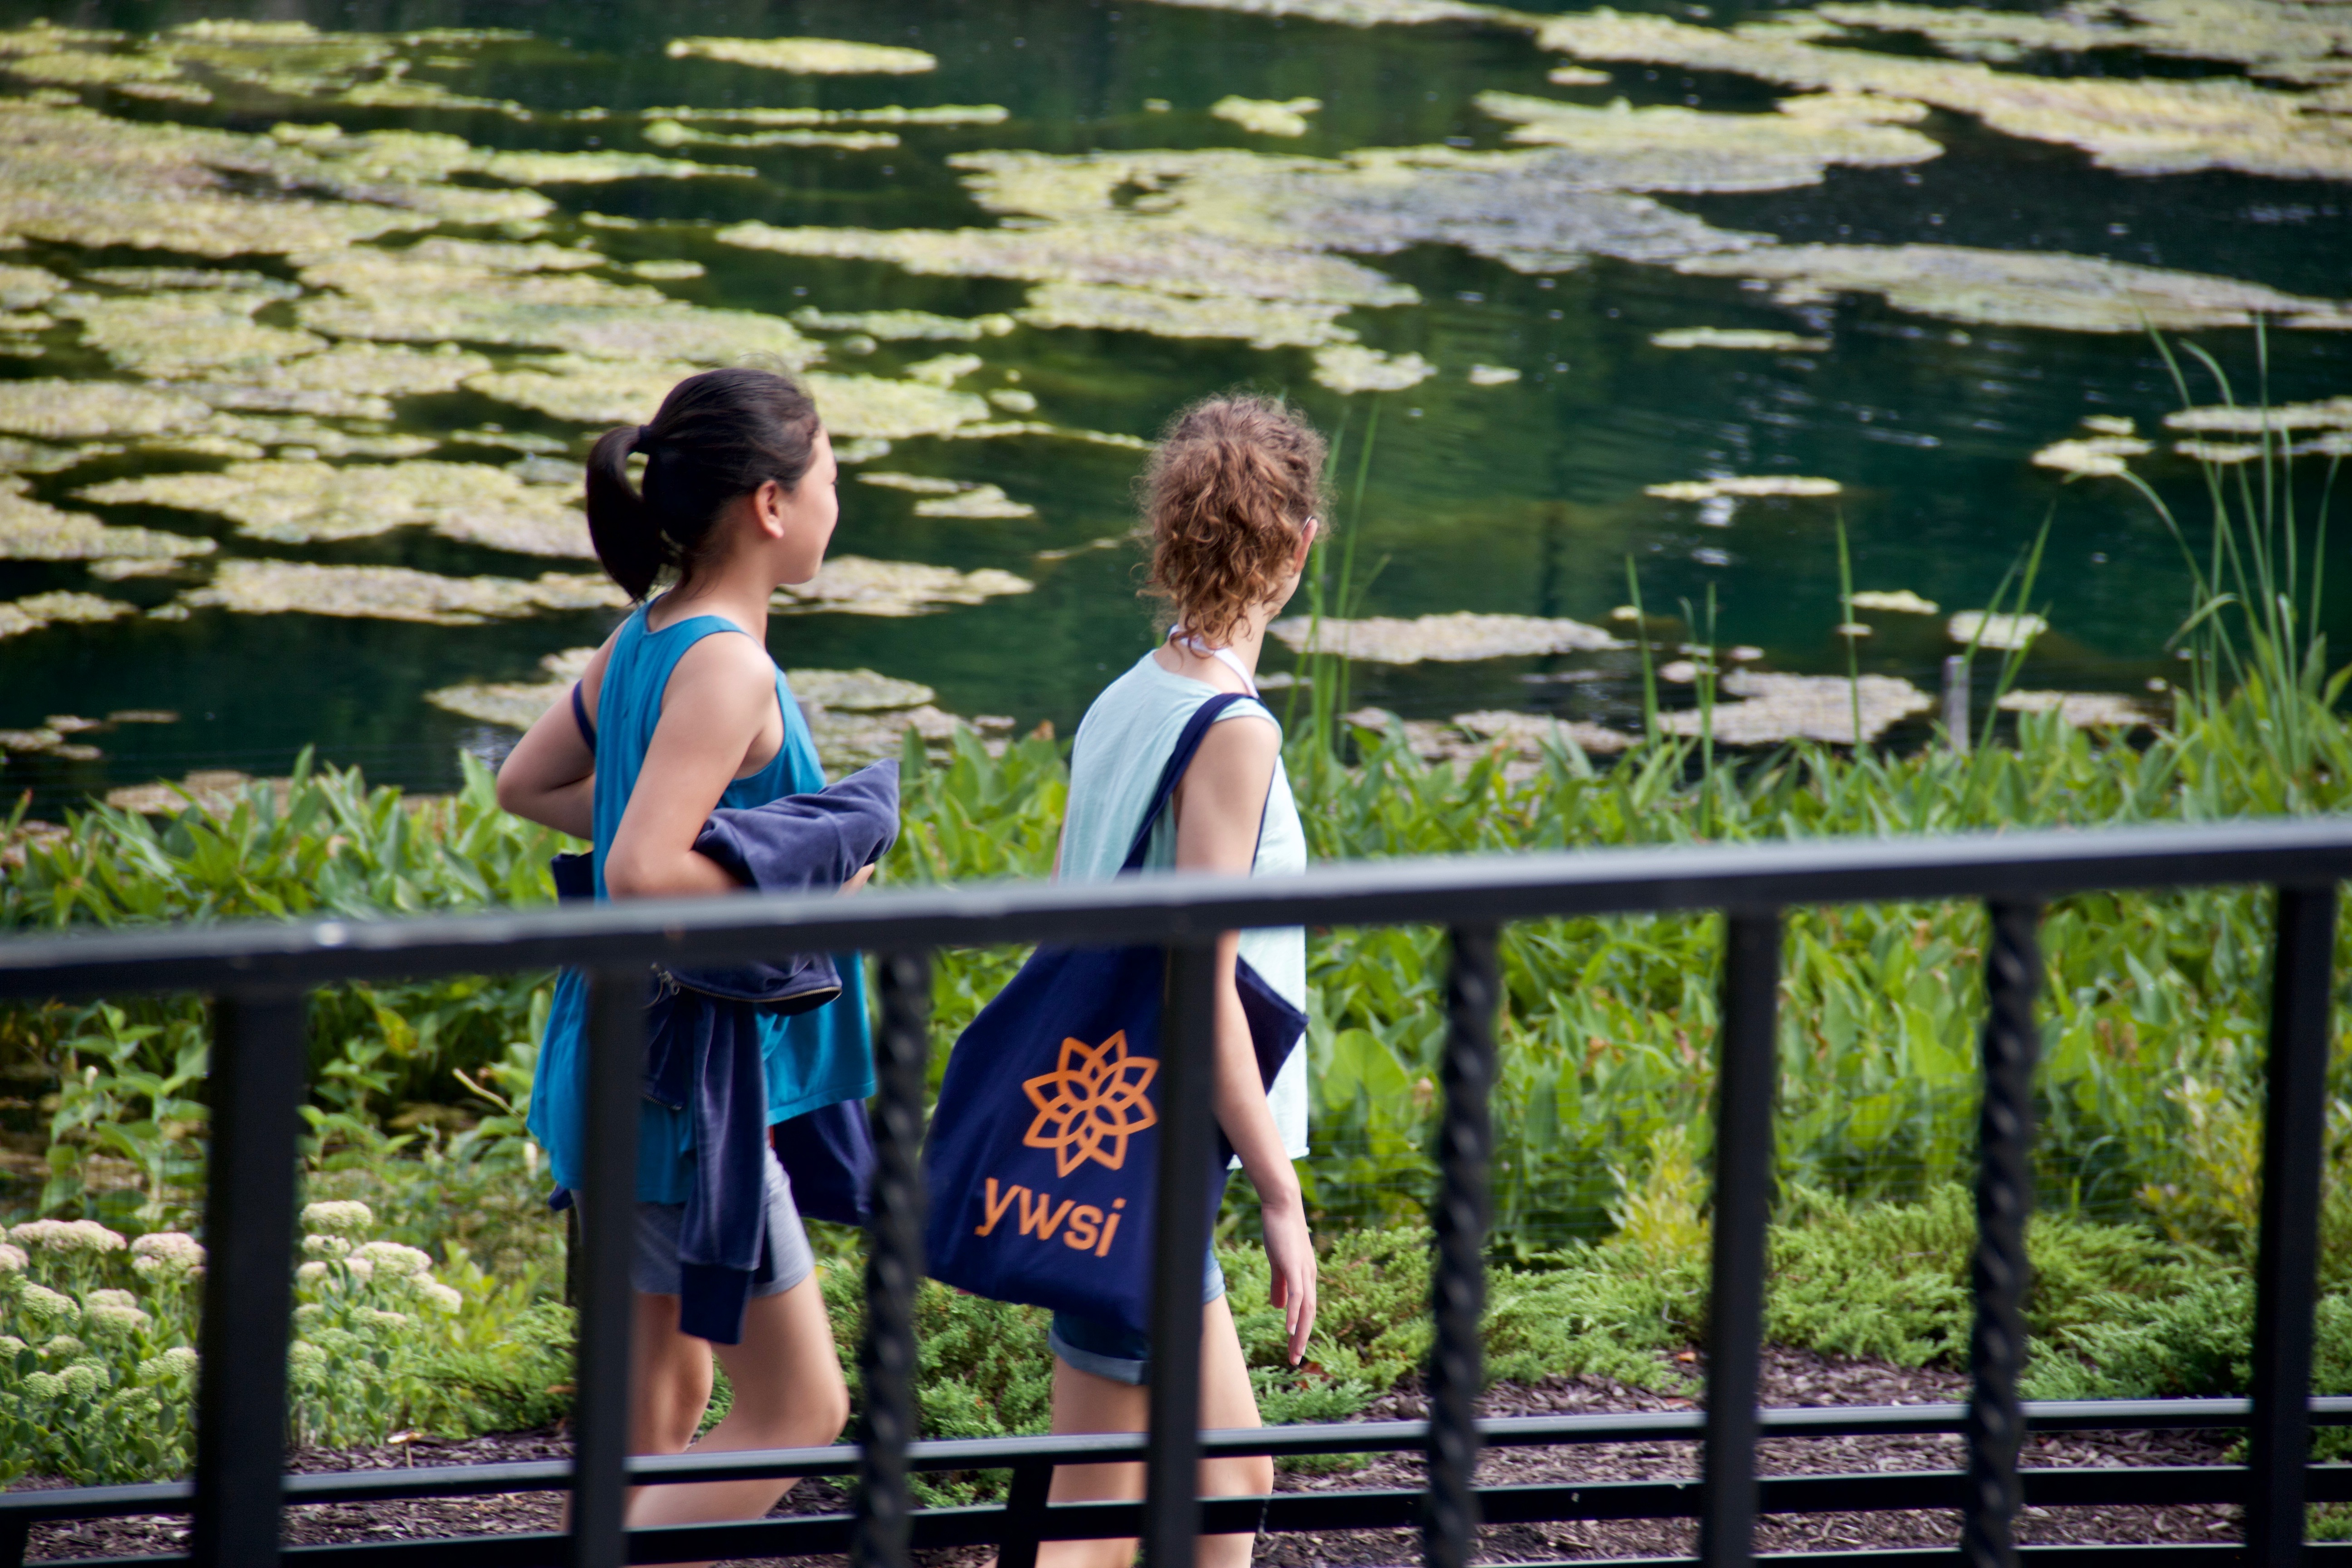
(767, 509)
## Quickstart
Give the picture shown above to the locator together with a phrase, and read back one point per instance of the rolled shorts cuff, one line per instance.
(655, 1270)
(1107, 1350)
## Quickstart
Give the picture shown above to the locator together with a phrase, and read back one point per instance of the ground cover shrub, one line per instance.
(98, 1346)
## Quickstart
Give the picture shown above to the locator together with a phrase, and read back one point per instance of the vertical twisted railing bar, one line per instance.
(1747, 1079)
(1188, 1041)
(1995, 1422)
(608, 1199)
(893, 1264)
(1458, 1287)
(256, 1084)
(2286, 1269)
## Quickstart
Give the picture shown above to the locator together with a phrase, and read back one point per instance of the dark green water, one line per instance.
(1524, 498)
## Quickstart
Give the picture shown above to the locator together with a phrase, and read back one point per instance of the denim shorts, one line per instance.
(654, 1266)
(1106, 1350)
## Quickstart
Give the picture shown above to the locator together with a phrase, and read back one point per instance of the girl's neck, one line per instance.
(1185, 653)
(731, 595)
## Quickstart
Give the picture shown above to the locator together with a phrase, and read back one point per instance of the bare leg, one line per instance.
(789, 1393)
(1086, 1403)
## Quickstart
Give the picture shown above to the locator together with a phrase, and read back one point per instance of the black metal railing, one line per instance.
(260, 976)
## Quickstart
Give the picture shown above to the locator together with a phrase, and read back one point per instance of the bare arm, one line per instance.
(720, 698)
(1218, 806)
(550, 777)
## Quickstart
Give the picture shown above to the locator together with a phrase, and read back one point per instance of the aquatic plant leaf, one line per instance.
(1897, 601)
(808, 57)
(2082, 709)
(1737, 338)
(898, 325)
(69, 410)
(2020, 288)
(31, 614)
(1262, 323)
(395, 593)
(2009, 633)
(2100, 455)
(298, 502)
(1666, 148)
(1350, 367)
(1460, 637)
(2145, 126)
(857, 585)
(1745, 485)
(34, 531)
(2328, 414)
(888, 114)
(1778, 708)
(1264, 116)
(173, 336)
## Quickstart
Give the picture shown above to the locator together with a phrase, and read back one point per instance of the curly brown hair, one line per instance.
(1235, 479)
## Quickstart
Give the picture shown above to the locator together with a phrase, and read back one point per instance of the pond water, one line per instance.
(1081, 187)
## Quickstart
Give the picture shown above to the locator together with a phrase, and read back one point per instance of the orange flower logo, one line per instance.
(1088, 1106)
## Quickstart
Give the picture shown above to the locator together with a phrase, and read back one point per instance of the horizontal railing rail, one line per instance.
(258, 974)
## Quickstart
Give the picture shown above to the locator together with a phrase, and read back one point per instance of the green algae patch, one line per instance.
(395, 593)
(888, 114)
(1265, 116)
(873, 407)
(1740, 485)
(1665, 148)
(305, 501)
(350, 380)
(1459, 638)
(2084, 710)
(55, 410)
(2136, 126)
(2328, 414)
(893, 326)
(2093, 456)
(670, 134)
(1350, 367)
(528, 296)
(857, 585)
(1744, 338)
(22, 287)
(18, 616)
(35, 530)
(808, 57)
(2009, 633)
(2279, 41)
(1893, 601)
(178, 335)
(2020, 288)
(1771, 709)
(1360, 13)
(1262, 324)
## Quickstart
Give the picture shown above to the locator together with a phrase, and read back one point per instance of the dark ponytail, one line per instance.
(718, 436)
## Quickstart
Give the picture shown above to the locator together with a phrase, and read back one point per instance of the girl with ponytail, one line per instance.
(679, 712)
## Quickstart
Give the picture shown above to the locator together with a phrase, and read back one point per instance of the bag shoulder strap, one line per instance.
(1196, 730)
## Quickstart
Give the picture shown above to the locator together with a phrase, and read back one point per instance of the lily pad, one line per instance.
(1266, 117)
(1737, 338)
(1778, 708)
(2007, 633)
(2020, 288)
(857, 585)
(1351, 367)
(1461, 637)
(1897, 601)
(808, 57)
(35, 530)
(75, 410)
(31, 614)
(304, 503)
(395, 593)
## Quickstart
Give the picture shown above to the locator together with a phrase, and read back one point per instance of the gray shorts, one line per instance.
(654, 1266)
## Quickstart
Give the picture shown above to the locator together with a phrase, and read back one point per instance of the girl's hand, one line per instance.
(857, 882)
(1290, 1253)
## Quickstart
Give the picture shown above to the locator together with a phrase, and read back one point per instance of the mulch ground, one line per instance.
(1790, 1378)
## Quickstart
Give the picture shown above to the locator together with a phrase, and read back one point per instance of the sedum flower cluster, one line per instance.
(98, 1364)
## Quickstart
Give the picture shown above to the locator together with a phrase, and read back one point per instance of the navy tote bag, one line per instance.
(1043, 1157)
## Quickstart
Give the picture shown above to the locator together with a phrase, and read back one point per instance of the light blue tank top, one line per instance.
(1122, 745)
(814, 1060)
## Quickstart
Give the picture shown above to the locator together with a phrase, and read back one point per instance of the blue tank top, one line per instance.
(814, 1060)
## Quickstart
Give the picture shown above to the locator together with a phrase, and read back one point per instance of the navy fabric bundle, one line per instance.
(703, 1049)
